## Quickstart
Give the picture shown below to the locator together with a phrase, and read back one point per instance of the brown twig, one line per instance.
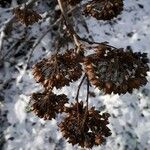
(69, 27)
(87, 95)
(87, 103)
(79, 87)
(77, 39)
(44, 34)
(93, 42)
(77, 96)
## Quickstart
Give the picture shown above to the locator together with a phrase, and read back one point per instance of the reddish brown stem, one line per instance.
(87, 96)
(77, 95)
(87, 103)
(79, 86)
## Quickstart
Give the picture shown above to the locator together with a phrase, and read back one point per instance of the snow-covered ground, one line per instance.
(21, 129)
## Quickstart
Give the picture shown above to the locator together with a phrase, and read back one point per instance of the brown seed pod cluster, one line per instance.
(47, 104)
(85, 127)
(103, 9)
(58, 70)
(116, 70)
(26, 16)
(108, 68)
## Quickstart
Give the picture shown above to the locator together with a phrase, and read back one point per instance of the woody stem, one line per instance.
(87, 103)
(87, 96)
(69, 27)
(79, 86)
(77, 96)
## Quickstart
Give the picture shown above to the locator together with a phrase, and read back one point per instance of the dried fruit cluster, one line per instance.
(116, 70)
(58, 70)
(26, 16)
(107, 68)
(85, 127)
(47, 104)
(104, 9)
(99, 9)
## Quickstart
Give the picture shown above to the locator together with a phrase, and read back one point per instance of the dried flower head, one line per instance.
(26, 16)
(59, 70)
(116, 70)
(47, 104)
(103, 9)
(85, 127)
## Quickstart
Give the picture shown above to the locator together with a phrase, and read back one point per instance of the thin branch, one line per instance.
(69, 27)
(77, 96)
(76, 37)
(87, 103)
(2, 35)
(36, 44)
(79, 87)
(44, 34)
(87, 95)
(12, 48)
(93, 42)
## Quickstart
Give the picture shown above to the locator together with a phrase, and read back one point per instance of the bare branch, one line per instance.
(69, 27)
(44, 34)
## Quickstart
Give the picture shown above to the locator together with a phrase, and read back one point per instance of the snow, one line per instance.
(130, 114)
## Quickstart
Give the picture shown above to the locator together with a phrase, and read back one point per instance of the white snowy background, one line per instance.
(130, 113)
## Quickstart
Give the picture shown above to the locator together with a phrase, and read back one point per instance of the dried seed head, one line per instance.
(58, 70)
(26, 16)
(116, 70)
(47, 104)
(103, 9)
(85, 127)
